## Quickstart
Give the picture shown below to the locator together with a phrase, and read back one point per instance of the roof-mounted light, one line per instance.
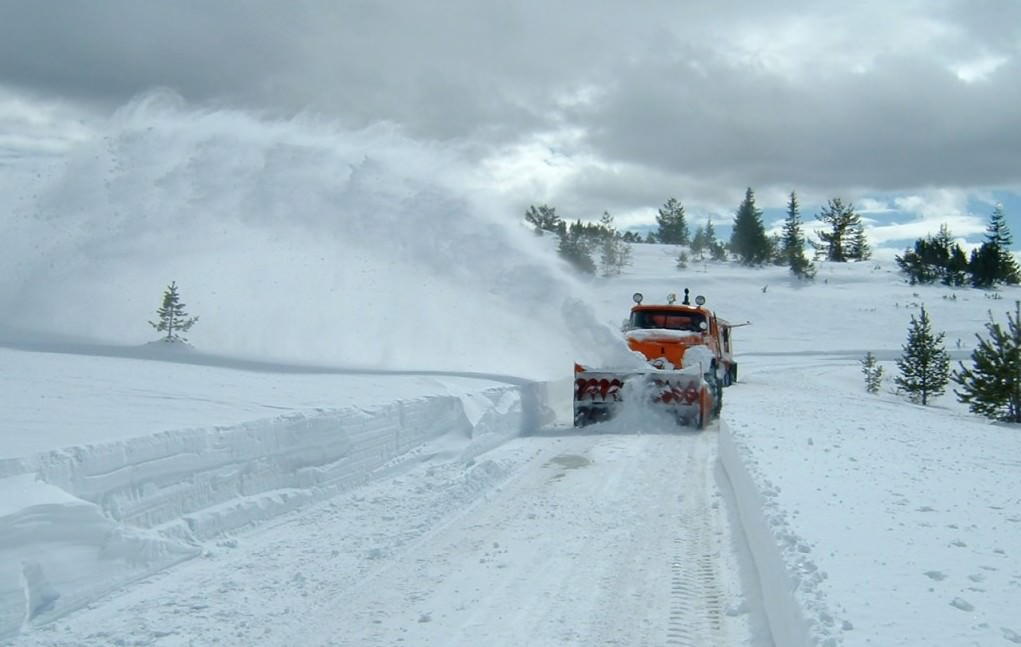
(700, 300)
(637, 297)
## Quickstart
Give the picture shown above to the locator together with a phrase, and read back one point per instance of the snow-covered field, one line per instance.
(400, 468)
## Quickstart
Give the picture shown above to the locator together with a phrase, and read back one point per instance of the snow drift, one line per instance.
(81, 521)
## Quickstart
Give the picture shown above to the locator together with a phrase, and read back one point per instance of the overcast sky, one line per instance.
(587, 106)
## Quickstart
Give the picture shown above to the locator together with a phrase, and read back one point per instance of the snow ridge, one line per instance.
(762, 523)
(134, 507)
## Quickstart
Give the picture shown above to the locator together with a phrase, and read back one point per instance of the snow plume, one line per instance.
(290, 239)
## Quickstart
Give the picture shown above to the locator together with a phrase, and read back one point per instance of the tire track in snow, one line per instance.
(696, 613)
(605, 539)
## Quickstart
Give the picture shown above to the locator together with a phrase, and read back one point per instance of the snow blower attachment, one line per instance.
(688, 351)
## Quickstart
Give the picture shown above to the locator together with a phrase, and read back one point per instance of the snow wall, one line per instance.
(79, 522)
(773, 547)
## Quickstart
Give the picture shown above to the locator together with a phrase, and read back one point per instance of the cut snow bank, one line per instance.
(765, 531)
(77, 522)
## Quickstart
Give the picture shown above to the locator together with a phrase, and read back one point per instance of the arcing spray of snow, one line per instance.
(289, 240)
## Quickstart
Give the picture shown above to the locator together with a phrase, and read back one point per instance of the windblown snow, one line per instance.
(369, 442)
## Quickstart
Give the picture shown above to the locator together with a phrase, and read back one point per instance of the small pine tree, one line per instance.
(793, 242)
(748, 239)
(992, 387)
(673, 228)
(699, 243)
(776, 249)
(845, 239)
(575, 248)
(957, 268)
(172, 319)
(925, 364)
(682, 260)
(998, 235)
(873, 373)
(614, 255)
(984, 265)
(614, 252)
(717, 250)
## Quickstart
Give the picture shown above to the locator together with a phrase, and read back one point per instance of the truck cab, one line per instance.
(664, 334)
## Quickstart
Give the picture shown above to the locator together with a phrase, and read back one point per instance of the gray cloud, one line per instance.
(701, 97)
(906, 123)
(107, 52)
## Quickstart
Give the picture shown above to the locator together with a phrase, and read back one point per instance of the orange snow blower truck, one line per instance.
(690, 359)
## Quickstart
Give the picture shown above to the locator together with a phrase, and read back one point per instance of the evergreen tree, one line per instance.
(917, 263)
(999, 237)
(717, 250)
(951, 261)
(777, 256)
(992, 387)
(957, 268)
(748, 240)
(544, 218)
(614, 252)
(793, 242)
(845, 239)
(935, 258)
(673, 227)
(171, 317)
(873, 373)
(925, 365)
(984, 265)
(699, 243)
(705, 240)
(576, 248)
(997, 231)
(681, 261)
(942, 245)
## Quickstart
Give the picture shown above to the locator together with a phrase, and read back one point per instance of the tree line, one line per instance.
(939, 259)
(580, 241)
(841, 240)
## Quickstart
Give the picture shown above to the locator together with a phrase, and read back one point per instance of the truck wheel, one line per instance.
(582, 417)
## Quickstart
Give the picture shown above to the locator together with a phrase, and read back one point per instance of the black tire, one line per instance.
(582, 417)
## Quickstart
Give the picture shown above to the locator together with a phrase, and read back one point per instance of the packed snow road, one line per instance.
(564, 537)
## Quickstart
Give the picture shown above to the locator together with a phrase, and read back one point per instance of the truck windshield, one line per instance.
(670, 320)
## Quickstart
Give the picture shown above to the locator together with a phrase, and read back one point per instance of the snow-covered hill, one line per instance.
(370, 442)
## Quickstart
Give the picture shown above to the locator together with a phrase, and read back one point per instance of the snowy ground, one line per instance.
(454, 510)
(374, 449)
